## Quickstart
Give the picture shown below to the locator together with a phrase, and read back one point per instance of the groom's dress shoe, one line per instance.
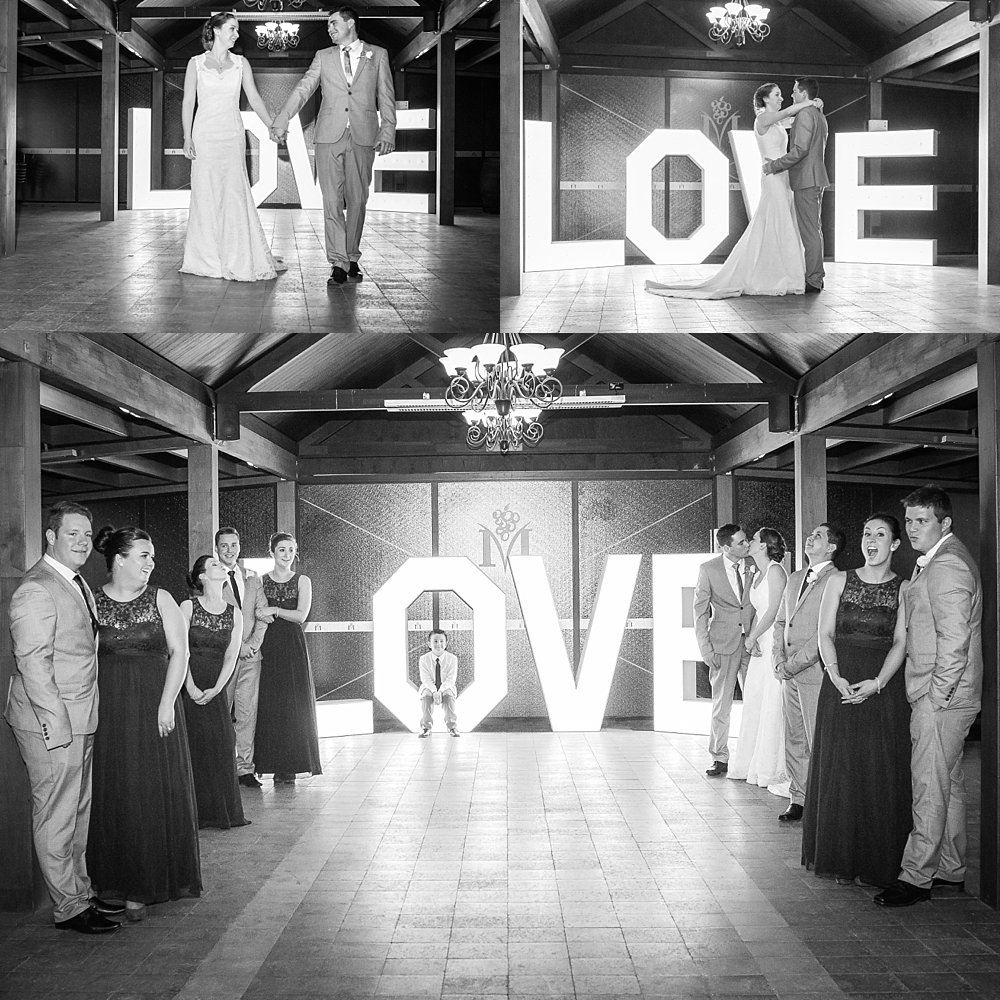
(901, 894)
(792, 814)
(719, 768)
(813, 289)
(944, 883)
(338, 276)
(88, 922)
(106, 909)
(354, 272)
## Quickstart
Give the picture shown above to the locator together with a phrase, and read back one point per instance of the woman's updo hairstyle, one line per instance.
(215, 21)
(278, 537)
(760, 94)
(889, 520)
(194, 577)
(111, 542)
(773, 542)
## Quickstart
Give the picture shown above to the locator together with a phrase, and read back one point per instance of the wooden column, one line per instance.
(287, 502)
(445, 191)
(511, 152)
(20, 548)
(156, 129)
(989, 552)
(989, 162)
(8, 128)
(203, 499)
(110, 65)
(550, 113)
(725, 499)
(810, 489)
(873, 165)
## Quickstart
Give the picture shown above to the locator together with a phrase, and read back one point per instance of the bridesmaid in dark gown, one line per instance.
(215, 634)
(286, 742)
(857, 810)
(143, 844)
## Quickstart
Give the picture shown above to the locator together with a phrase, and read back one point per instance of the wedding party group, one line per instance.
(781, 250)
(123, 768)
(859, 689)
(356, 120)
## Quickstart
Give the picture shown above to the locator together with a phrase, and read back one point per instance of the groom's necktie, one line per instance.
(347, 64)
(739, 581)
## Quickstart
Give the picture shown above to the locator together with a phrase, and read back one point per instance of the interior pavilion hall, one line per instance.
(525, 858)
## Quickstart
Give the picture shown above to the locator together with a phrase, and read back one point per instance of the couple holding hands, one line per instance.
(356, 120)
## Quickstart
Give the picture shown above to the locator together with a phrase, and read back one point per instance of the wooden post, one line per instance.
(810, 489)
(446, 129)
(550, 113)
(989, 163)
(8, 129)
(110, 64)
(20, 548)
(156, 129)
(725, 499)
(287, 502)
(511, 153)
(988, 363)
(203, 499)
(873, 165)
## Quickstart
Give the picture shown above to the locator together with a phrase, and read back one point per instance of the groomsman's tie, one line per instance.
(236, 590)
(87, 599)
(806, 580)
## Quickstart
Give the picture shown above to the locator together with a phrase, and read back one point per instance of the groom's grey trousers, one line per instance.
(722, 675)
(808, 211)
(344, 169)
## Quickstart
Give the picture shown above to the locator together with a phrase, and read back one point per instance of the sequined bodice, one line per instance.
(209, 634)
(282, 595)
(867, 611)
(130, 626)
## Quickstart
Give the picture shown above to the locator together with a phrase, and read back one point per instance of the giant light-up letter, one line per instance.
(579, 706)
(852, 198)
(675, 706)
(489, 638)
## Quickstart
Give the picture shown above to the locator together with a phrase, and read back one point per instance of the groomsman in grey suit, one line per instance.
(805, 162)
(244, 590)
(723, 616)
(356, 120)
(52, 709)
(796, 658)
(943, 605)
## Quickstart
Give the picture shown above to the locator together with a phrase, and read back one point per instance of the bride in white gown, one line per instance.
(768, 259)
(759, 757)
(224, 236)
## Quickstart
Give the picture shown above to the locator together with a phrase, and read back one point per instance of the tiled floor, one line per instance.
(858, 298)
(590, 866)
(72, 272)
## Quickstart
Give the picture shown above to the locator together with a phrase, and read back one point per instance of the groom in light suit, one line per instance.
(796, 658)
(356, 78)
(723, 616)
(807, 177)
(944, 683)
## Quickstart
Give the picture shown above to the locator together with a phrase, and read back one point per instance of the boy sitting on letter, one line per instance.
(438, 683)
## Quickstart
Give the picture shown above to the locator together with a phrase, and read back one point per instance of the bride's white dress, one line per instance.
(759, 757)
(768, 259)
(224, 236)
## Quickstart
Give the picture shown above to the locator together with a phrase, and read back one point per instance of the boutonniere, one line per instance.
(368, 53)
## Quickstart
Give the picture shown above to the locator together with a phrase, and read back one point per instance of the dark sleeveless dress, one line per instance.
(210, 727)
(857, 811)
(285, 741)
(143, 841)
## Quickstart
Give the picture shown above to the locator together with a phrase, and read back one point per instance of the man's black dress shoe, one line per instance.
(88, 922)
(792, 814)
(719, 768)
(813, 289)
(105, 908)
(901, 894)
(944, 883)
(249, 781)
(337, 276)
(354, 272)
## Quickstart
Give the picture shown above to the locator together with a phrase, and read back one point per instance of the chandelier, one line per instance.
(502, 385)
(736, 20)
(276, 36)
(272, 6)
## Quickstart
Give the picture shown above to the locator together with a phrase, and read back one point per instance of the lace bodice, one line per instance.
(218, 92)
(200, 618)
(282, 595)
(209, 635)
(130, 626)
(867, 611)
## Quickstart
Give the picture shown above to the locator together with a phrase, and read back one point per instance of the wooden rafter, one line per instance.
(956, 31)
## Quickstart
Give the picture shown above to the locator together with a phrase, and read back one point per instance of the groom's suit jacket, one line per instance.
(721, 619)
(796, 626)
(360, 102)
(804, 160)
(944, 610)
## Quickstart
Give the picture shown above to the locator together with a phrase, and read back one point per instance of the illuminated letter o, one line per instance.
(639, 226)
(489, 637)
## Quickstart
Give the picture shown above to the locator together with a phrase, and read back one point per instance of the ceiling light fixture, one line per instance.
(735, 20)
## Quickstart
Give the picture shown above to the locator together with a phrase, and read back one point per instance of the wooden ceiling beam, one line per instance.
(818, 24)
(958, 53)
(146, 467)
(930, 397)
(270, 362)
(47, 10)
(603, 20)
(866, 456)
(665, 9)
(453, 14)
(72, 53)
(839, 433)
(648, 60)
(33, 53)
(106, 449)
(955, 31)
(537, 19)
(728, 347)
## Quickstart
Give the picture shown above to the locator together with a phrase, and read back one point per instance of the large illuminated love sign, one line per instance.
(489, 637)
